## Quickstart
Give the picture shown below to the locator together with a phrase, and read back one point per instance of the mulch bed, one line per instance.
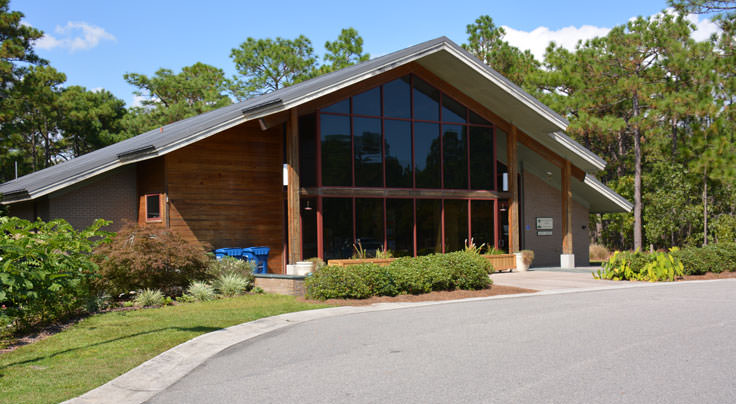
(494, 290)
(708, 275)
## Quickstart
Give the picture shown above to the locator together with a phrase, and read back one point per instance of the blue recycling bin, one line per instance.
(261, 258)
(220, 253)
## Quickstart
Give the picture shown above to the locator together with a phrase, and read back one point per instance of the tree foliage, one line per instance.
(167, 97)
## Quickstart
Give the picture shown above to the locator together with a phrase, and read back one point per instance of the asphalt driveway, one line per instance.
(663, 344)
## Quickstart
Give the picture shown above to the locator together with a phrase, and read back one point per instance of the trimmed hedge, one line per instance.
(457, 270)
(716, 258)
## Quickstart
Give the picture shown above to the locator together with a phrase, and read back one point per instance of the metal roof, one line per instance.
(440, 55)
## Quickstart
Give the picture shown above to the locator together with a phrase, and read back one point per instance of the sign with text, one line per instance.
(545, 223)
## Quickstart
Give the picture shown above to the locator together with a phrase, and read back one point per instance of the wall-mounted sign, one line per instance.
(544, 232)
(545, 223)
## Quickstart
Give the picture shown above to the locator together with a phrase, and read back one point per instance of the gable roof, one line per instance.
(443, 57)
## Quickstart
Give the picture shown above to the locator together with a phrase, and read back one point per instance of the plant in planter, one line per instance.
(524, 259)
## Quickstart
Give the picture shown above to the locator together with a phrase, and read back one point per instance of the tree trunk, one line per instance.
(637, 176)
(705, 205)
(674, 138)
(620, 158)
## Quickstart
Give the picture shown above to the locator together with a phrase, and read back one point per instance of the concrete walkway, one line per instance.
(548, 279)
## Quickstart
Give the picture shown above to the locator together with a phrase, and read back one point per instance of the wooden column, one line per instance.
(566, 208)
(512, 160)
(292, 202)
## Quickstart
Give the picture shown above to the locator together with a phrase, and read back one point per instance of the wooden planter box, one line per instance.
(500, 262)
(378, 261)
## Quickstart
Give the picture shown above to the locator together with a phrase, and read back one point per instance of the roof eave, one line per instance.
(608, 193)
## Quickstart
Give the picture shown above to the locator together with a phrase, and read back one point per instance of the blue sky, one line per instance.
(96, 42)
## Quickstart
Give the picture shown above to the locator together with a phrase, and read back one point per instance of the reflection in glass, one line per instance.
(338, 227)
(397, 98)
(368, 152)
(426, 101)
(398, 153)
(368, 103)
(399, 227)
(452, 111)
(481, 214)
(456, 224)
(456, 161)
(369, 224)
(308, 151)
(336, 145)
(429, 226)
(476, 119)
(481, 158)
(427, 154)
(342, 107)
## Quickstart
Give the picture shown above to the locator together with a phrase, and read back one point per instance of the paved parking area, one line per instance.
(553, 279)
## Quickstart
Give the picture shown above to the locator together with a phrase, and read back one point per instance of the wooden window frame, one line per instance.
(160, 217)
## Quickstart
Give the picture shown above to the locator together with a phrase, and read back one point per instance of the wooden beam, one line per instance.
(566, 209)
(292, 200)
(271, 121)
(511, 150)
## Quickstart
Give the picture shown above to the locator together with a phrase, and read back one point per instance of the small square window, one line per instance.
(153, 207)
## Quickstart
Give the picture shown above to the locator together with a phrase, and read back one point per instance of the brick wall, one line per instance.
(111, 196)
(543, 200)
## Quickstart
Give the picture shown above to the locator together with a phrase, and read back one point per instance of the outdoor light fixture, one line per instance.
(308, 207)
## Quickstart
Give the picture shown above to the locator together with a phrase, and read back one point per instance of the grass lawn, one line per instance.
(104, 346)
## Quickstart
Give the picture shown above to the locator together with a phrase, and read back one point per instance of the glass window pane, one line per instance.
(338, 227)
(368, 152)
(426, 101)
(476, 119)
(452, 111)
(456, 224)
(481, 158)
(342, 107)
(399, 227)
(427, 154)
(456, 159)
(308, 150)
(369, 224)
(368, 103)
(397, 98)
(481, 213)
(336, 156)
(309, 227)
(398, 153)
(503, 226)
(429, 226)
(153, 207)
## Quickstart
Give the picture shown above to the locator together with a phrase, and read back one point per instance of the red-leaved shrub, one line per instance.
(149, 257)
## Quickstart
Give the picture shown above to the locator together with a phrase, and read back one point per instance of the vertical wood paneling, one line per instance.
(293, 206)
(226, 190)
(511, 153)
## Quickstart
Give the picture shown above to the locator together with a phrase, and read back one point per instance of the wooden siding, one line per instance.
(227, 190)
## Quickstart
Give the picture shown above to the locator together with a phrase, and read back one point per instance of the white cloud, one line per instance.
(137, 101)
(704, 27)
(74, 36)
(538, 39)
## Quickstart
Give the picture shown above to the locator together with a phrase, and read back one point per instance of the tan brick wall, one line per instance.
(110, 196)
(543, 200)
(291, 287)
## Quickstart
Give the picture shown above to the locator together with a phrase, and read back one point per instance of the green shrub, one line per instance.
(711, 258)
(379, 280)
(230, 265)
(232, 284)
(150, 258)
(45, 269)
(461, 269)
(332, 282)
(199, 291)
(652, 267)
(149, 297)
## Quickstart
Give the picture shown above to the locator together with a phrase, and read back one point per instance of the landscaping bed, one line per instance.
(494, 290)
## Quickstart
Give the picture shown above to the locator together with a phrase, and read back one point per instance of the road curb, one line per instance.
(155, 375)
